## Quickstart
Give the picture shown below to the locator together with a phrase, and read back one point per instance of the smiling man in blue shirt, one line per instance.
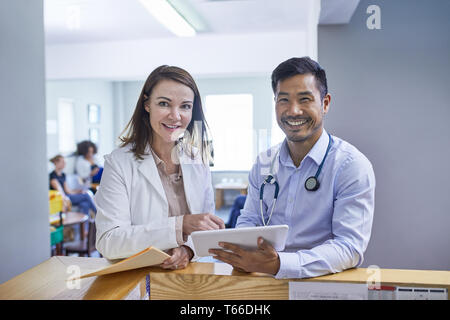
(329, 228)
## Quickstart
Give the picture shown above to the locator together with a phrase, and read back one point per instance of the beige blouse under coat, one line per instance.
(176, 198)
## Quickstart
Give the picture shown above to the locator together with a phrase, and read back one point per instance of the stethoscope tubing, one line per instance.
(270, 179)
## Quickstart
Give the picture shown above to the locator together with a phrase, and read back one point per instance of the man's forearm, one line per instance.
(329, 257)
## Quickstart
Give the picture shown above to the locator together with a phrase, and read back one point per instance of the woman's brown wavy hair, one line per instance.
(139, 131)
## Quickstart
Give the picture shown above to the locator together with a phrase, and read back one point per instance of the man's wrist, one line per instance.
(274, 266)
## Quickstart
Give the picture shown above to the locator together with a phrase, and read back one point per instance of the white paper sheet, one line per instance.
(327, 291)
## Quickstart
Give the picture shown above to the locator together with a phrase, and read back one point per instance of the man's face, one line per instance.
(299, 108)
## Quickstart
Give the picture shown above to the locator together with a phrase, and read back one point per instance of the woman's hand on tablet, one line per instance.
(179, 259)
(201, 222)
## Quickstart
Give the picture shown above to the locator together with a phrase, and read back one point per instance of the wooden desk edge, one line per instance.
(44, 280)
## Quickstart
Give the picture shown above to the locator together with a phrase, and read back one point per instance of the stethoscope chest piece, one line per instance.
(312, 184)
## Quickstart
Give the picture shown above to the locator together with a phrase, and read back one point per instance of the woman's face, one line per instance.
(60, 164)
(170, 106)
(90, 152)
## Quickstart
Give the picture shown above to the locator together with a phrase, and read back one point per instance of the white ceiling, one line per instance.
(118, 20)
(100, 20)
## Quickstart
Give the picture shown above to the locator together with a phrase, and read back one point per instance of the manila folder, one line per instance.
(146, 258)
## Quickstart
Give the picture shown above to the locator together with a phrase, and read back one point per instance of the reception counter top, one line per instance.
(199, 280)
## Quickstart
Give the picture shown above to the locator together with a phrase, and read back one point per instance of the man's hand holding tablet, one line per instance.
(263, 259)
(248, 249)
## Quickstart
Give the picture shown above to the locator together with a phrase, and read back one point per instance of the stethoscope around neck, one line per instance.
(311, 184)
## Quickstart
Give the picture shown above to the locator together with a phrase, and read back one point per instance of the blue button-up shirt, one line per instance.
(329, 228)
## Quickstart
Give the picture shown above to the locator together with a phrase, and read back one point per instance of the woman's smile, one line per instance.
(171, 127)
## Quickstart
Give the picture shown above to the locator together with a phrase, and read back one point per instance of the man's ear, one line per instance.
(326, 103)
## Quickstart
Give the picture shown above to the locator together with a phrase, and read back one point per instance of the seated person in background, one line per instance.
(236, 211)
(76, 197)
(85, 165)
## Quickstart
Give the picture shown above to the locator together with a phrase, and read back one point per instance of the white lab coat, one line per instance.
(132, 208)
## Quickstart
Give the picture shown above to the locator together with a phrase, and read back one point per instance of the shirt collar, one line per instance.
(316, 153)
(319, 149)
(160, 163)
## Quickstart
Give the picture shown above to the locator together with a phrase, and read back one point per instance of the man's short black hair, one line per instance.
(304, 65)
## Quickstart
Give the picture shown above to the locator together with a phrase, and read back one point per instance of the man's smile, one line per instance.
(295, 124)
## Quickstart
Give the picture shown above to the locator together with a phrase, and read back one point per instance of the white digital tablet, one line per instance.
(245, 237)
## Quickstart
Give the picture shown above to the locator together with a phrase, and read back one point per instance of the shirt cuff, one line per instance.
(190, 244)
(289, 266)
(179, 230)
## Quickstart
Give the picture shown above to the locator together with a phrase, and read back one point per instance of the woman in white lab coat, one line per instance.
(156, 187)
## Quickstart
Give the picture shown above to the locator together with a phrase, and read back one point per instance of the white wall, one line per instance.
(82, 93)
(204, 55)
(24, 227)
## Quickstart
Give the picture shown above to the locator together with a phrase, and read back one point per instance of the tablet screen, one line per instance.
(245, 237)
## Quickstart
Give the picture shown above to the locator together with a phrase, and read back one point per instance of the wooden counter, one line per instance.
(198, 281)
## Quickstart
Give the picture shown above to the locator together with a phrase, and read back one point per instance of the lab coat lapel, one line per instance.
(148, 169)
(187, 180)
